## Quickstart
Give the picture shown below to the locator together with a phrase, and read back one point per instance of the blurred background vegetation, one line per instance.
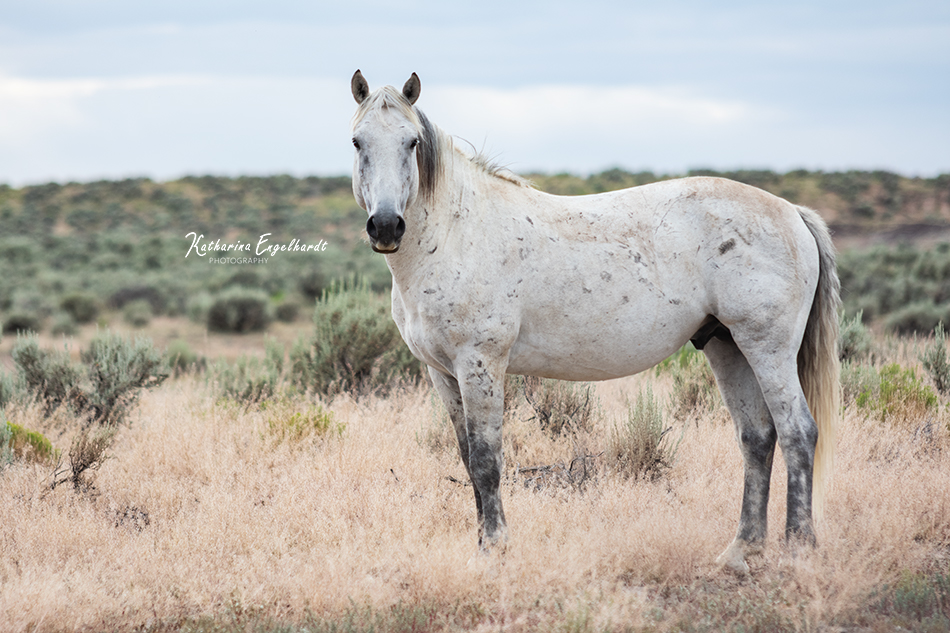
(70, 254)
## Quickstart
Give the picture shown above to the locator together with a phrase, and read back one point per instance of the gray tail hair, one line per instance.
(818, 365)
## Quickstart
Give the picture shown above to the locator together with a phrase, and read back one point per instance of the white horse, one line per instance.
(491, 276)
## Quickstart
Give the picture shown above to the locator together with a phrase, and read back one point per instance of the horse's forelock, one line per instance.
(386, 97)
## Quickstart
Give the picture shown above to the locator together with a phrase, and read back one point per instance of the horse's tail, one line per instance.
(818, 368)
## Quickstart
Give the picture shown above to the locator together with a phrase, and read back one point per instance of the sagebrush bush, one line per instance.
(81, 306)
(855, 341)
(640, 446)
(287, 311)
(561, 407)
(355, 347)
(181, 358)
(137, 313)
(917, 318)
(22, 322)
(856, 379)
(103, 388)
(898, 396)
(6, 444)
(11, 388)
(694, 385)
(63, 324)
(197, 307)
(249, 379)
(49, 377)
(935, 361)
(117, 370)
(240, 310)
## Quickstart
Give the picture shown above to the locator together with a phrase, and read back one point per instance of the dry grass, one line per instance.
(205, 518)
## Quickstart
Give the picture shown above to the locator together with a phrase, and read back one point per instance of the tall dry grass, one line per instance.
(204, 514)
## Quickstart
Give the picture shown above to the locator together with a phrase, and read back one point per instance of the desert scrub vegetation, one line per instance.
(560, 407)
(89, 249)
(330, 514)
(694, 385)
(936, 362)
(905, 287)
(98, 393)
(639, 444)
(355, 347)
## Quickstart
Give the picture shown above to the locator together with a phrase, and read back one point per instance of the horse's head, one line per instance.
(387, 132)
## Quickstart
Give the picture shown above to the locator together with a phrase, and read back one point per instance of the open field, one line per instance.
(213, 515)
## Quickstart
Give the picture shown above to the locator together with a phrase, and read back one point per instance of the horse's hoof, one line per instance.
(733, 559)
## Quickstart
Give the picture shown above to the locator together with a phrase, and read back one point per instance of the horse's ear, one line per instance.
(412, 89)
(359, 87)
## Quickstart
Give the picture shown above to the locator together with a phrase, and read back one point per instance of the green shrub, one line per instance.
(155, 297)
(694, 384)
(935, 361)
(250, 379)
(639, 446)
(198, 306)
(20, 322)
(560, 407)
(182, 359)
(28, 445)
(6, 448)
(855, 341)
(898, 394)
(137, 313)
(299, 425)
(287, 311)
(917, 318)
(240, 310)
(50, 377)
(858, 378)
(918, 597)
(117, 371)
(10, 389)
(82, 307)
(63, 324)
(356, 346)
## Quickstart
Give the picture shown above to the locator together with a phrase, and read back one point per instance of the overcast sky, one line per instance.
(95, 89)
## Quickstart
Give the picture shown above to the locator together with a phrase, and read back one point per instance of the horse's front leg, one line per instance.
(481, 383)
(448, 389)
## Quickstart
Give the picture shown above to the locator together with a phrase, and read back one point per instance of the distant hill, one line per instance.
(107, 244)
(861, 206)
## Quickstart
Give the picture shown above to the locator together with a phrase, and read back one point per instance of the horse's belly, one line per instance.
(601, 344)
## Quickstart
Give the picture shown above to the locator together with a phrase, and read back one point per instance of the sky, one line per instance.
(108, 89)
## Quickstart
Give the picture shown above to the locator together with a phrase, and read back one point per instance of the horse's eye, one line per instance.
(356, 144)
(413, 143)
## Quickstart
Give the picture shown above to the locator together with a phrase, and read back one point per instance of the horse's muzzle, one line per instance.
(385, 230)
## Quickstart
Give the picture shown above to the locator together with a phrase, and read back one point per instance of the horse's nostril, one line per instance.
(371, 229)
(400, 228)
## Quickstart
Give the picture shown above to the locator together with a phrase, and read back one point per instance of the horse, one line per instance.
(493, 277)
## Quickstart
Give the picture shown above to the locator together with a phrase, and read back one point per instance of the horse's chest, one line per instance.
(438, 325)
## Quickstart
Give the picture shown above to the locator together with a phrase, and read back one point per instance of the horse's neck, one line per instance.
(440, 221)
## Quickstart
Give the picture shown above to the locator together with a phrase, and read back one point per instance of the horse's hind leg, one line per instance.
(756, 434)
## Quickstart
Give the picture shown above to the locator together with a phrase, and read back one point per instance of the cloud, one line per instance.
(31, 108)
(589, 127)
(547, 107)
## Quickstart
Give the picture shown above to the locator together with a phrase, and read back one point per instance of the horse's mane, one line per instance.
(434, 144)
